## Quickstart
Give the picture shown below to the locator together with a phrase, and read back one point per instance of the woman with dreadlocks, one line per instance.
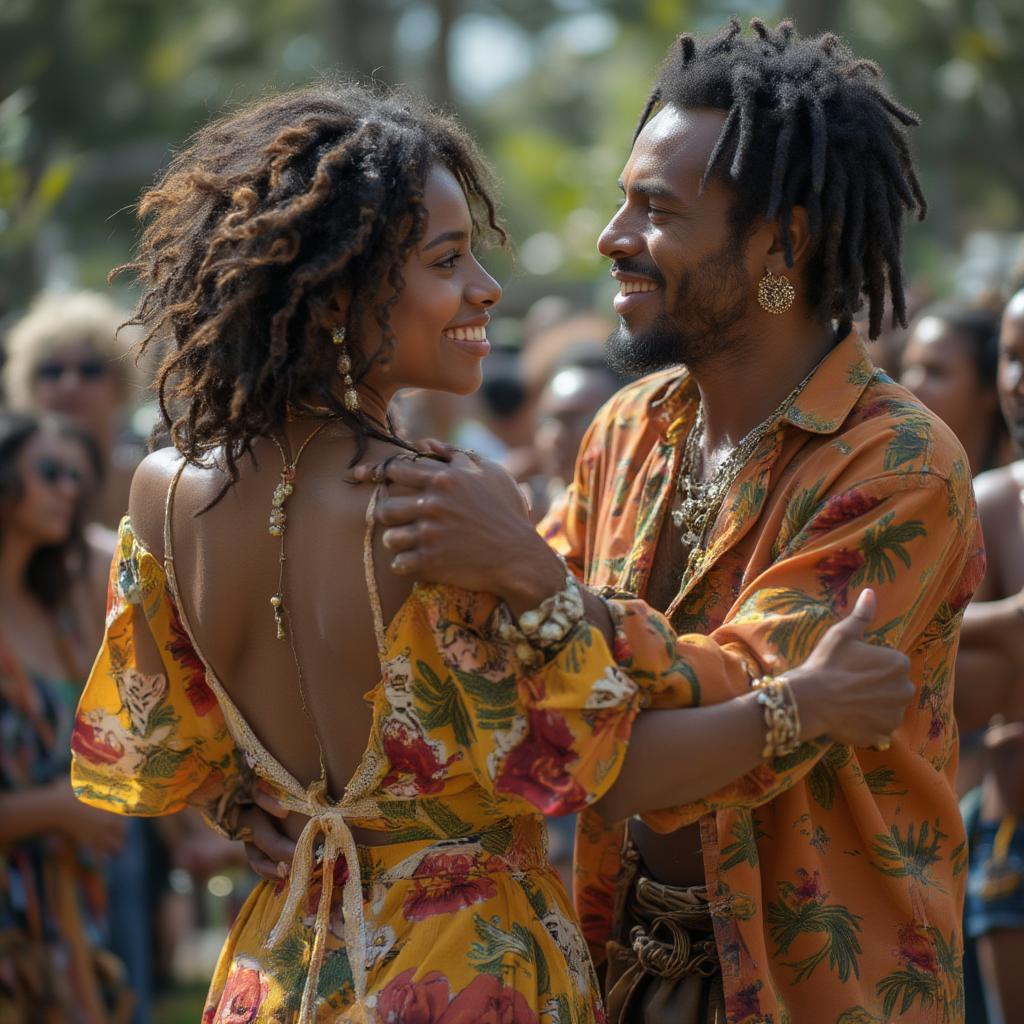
(309, 257)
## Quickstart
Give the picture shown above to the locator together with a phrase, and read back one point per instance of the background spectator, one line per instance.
(949, 362)
(54, 963)
(66, 356)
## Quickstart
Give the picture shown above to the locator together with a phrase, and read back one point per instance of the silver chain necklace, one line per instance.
(700, 502)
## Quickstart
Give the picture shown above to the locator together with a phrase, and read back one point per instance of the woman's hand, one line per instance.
(268, 849)
(850, 690)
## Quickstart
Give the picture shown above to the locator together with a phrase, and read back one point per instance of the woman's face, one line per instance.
(49, 474)
(77, 382)
(937, 366)
(440, 319)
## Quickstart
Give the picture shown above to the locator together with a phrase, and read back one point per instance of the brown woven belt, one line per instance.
(663, 938)
(663, 966)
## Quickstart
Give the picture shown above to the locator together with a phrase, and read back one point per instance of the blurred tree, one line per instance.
(94, 94)
(814, 16)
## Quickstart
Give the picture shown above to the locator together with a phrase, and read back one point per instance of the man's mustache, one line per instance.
(634, 269)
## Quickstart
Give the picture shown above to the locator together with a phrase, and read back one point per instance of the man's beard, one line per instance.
(703, 322)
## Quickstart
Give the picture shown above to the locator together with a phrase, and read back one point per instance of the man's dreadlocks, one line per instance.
(807, 125)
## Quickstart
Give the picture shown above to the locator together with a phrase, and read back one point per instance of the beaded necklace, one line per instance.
(279, 520)
(700, 502)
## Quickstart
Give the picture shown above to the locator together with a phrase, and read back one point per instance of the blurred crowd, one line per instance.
(100, 915)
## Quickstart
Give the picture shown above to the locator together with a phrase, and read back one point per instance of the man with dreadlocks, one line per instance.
(730, 512)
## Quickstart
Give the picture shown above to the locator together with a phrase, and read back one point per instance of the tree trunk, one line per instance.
(359, 34)
(437, 75)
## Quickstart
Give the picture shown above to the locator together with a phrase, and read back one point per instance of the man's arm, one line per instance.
(990, 661)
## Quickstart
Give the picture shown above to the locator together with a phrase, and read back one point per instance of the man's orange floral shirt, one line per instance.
(836, 874)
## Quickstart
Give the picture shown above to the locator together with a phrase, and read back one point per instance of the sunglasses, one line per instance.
(51, 472)
(88, 369)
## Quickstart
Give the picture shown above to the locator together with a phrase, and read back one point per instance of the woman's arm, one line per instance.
(53, 808)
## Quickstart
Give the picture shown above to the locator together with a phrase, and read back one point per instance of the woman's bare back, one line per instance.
(226, 566)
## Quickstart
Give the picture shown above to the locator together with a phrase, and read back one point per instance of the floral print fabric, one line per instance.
(463, 917)
(836, 875)
(53, 896)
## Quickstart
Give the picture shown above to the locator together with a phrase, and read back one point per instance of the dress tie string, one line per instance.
(326, 820)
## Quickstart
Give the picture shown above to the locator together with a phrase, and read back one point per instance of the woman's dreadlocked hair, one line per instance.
(254, 229)
(807, 125)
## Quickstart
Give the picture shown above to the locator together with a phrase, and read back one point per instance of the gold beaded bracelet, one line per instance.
(781, 716)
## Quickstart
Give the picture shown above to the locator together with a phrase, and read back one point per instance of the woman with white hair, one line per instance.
(65, 356)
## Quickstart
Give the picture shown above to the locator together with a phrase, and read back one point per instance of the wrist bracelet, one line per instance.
(540, 632)
(781, 716)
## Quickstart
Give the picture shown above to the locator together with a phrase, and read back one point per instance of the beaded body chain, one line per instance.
(276, 528)
(279, 521)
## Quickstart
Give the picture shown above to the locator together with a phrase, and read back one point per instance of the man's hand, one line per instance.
(463, 521)
(854, 691)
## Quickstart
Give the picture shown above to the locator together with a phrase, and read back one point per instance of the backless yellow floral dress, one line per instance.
(457, 919)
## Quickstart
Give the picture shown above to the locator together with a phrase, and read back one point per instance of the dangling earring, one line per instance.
(344, 365)
(775, 293)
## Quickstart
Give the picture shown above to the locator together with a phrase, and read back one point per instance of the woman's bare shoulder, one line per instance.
(150, 482)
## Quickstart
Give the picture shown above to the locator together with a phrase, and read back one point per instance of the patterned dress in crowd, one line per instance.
(54, 968)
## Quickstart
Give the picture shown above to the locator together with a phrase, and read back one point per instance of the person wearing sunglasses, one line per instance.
(65, 356)
(54, 961)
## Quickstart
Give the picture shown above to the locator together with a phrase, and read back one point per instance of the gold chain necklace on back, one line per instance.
(276, 527)
(279, 519)
(700, 502)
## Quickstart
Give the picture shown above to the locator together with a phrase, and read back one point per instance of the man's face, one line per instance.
(685, 282)
(1010, 379)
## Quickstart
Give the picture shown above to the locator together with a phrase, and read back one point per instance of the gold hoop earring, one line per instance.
(344, 365)
(775, 293)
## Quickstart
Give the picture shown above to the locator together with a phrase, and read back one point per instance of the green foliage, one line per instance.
(745, 834)
(440, 704)
(823, 779)
(95, 94)
(941, 987)
(790, 918)
(335, 975)
(910, 443)
(488, 955)
(803, 506)
(883, 542)
(289, 963)
(162, 763)
(497, 700)
(803, 620)
(910, 855)
(749, 499)
(882, 782)
(445, 818)
(907, 986)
